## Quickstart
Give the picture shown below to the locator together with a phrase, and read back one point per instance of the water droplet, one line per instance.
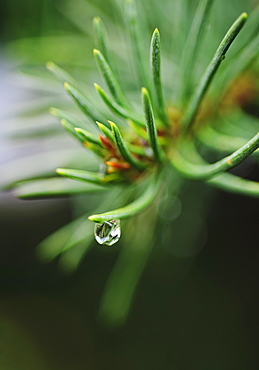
(149, 152)
(102, 169)
(107, 233)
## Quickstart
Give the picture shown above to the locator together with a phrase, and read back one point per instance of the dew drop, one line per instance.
(149, 152)
(107, 233)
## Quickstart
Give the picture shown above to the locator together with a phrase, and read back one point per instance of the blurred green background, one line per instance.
(195, 312)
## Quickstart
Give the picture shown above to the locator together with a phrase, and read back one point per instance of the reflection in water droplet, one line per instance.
(107, 233)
